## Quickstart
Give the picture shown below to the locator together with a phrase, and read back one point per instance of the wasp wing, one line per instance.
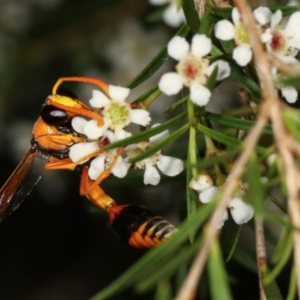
(15, 190)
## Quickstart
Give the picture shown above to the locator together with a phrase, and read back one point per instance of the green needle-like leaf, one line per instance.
(286, 10)
(149, 97)
(256, 192)
(292, 121)
(183, 255)
(219, 287)
(224, 139)
(206, 24)
(285, 255)
(228, 46)
(245, 81)
(176, 104)
(163, 143)
(164, 290)
(145, 135)
(237, 123)
(289, 81)
(212, 79)
(292, 286)
(192, 197)
(222, 12)
(191, 14)
(271, 289)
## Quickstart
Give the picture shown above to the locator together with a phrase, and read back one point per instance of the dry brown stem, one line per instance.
(261, 253)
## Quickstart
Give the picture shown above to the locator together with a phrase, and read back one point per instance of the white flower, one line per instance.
(225, 30)
(224, 218)
(281, 41)
(262, 15)
(169, 166)
(192, 68)
(172, 16)
(104, 160)
(202, 182)
(288, 92)
(241, 212)
(83, 151)
(117, 113)
(271, 159)
(208, 194)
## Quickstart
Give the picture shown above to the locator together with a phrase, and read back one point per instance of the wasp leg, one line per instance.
(66, 139)
(104, 174)
(91, 80)
(68, 164)
(96, 195)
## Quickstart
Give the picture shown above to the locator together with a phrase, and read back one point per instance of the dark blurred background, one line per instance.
(56, 245)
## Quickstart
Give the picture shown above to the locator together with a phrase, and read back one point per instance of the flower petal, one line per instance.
(276, 18)
(170, 166)
(242, 55)
(262, 15)
(293, 23)
(178, 48)
(290, 94)
(224, 30)
(201, 183)
(241, 212)
(199, 94)
(173, 16)
(121, 167)
(118, 93)
(224, 218)
(158, 137)
(288, 59)
(170, 83)
(266, 36)
(99, 99)
(271, 159)
(117, 135)
(292, 29)
(236, 17)
(97, 167)
(140, 117)
(80, 150)
(223, 69)
(208, 194)
(78, 124)
(201, 45)
(151, 175)
(93, 131)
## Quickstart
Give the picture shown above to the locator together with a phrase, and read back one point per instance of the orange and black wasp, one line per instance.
(52, 136)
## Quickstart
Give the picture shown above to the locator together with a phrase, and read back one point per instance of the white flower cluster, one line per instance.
(241, 211)
(281, 41)
(117, 115)
(193, 69)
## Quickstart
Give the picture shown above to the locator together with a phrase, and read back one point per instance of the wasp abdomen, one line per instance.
(138, 226)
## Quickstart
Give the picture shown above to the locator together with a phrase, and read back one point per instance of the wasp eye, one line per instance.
(54, 116)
